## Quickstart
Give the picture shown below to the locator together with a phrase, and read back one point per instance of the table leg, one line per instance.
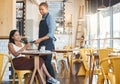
(36, 68)
(39, 71)
(33, 76)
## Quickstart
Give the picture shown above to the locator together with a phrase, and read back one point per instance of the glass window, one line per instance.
(93, 30)
(116, 25)
(104, 28)
(56, 10)
(20, 16)
(105, 25)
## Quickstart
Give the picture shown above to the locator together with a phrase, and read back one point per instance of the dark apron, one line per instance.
(43, 31)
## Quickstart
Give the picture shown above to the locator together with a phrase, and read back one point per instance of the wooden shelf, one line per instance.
(4, 37)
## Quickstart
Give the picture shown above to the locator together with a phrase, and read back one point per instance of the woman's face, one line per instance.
(16, 36)
(43, 10)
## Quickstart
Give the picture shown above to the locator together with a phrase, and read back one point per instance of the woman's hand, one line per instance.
(27, 45)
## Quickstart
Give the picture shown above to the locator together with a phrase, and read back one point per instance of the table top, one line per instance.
(34, 52)
(63, 50)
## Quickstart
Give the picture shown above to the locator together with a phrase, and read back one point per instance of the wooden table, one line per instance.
(36, 55)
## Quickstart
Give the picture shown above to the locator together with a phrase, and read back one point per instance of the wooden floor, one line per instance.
(64, 75)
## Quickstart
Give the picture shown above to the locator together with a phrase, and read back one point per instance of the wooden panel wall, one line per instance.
(7, 16)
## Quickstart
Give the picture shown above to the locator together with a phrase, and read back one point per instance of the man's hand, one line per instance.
(38, 41)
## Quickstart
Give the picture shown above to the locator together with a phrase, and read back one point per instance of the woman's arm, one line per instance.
(16, 53)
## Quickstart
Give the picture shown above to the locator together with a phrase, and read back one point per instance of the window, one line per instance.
(56, 10)
(93, 30)
(20, 16)
(104, 28)
(116, 25)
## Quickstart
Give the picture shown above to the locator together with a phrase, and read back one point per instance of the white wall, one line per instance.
(32, 13)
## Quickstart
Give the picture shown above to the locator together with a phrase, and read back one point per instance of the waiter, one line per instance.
(46, 35)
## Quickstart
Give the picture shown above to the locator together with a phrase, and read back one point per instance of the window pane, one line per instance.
(93, 30)
(56, 10)
(116, 25)
(104, 28)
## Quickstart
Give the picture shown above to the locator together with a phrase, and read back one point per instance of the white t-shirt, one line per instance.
(17, 48)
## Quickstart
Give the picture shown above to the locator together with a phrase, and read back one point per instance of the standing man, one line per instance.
(46, 35)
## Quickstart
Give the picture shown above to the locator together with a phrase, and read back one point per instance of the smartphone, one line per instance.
(32, 41)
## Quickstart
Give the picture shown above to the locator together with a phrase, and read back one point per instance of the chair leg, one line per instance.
(14, 76)
(56, 66)
(86, 80)
(100, 79)
(54, 61)
(71, 67)
(20, 78)
(0, 80)
(26, 78)
(112, 79)
(66, 64)
(36, 80)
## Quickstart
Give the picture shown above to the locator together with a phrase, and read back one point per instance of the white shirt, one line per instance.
(17, 48)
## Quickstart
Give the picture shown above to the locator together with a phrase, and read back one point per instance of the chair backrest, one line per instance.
(84, 52)
(4, 60)
(66, 47)
(115, 63)
(110, 49)
(104, 54)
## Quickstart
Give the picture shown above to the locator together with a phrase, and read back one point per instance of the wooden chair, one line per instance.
(64, 60)
(75, 59)
(3, 57)
(20, 74)
(105, 75)
(85, 66)
(115, 63)
(104, 66)
(65, 57)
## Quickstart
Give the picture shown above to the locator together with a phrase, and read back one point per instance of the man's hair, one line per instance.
(44, 4)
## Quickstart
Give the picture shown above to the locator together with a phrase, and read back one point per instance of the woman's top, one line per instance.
(17, 48)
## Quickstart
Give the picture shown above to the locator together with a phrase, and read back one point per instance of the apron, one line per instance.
(43, 31)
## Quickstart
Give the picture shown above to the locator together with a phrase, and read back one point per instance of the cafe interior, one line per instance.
(87, 40)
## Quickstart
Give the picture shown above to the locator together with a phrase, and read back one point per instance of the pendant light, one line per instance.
(102, 6)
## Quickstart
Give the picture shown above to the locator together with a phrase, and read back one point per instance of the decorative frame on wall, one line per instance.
(20, 17)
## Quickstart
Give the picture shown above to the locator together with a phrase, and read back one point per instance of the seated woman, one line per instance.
(82, 42)
(21, 62)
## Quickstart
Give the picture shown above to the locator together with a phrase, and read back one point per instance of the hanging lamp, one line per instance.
(102, 6)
